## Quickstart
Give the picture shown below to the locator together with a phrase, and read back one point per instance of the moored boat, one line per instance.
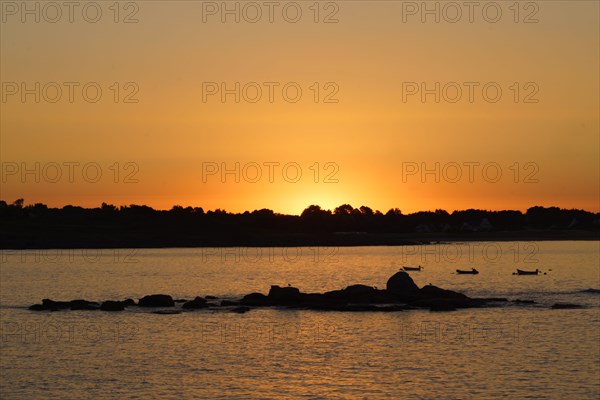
(524, 272)
(473, 271)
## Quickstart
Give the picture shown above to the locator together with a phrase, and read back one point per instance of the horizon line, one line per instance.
(374, 211)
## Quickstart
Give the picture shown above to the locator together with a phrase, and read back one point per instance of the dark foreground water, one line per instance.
(516, 351)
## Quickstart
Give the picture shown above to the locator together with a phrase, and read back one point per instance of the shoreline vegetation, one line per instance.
(40, 227)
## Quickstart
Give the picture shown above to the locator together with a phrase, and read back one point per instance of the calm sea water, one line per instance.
(515, 351)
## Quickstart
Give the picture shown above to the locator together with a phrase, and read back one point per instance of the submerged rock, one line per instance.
(524, 301)
(442, 307)
(228, 303)
(167, 312)
(560, 306)
(110, 305)
(156, 300)
(240, 310)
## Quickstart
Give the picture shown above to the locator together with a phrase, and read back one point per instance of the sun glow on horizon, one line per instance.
(369, 128)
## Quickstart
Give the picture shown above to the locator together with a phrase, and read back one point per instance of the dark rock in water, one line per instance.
(240, 310)
(442, 307)
(52, 305)
(198, 302)
(401, 293)
(560, 306)
(434, 292)
(167, 312)
(110, 305)
(156, 300)
(129, 302)
(402, 286)
(55, 305)
(361, 294)
(524, 301)
(283, 295)
(352, 291)
(495, 299)
(590, 290)
(84, 305)
(210, 297)
(255, 299)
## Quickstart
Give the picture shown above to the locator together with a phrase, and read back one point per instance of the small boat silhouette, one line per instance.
(473, 271)
(524, 272)
(412, 268)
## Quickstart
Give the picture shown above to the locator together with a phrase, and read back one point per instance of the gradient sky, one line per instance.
(370, 136)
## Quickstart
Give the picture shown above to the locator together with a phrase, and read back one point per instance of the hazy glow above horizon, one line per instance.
(363, 134)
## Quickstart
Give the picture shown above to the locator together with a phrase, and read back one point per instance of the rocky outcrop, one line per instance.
(83, 305)
(255, 299)
(198, 302)
(156, 300)
(283, 295)
(402, 287)
(401, 293)
(52, 305)
(434, 292)
(110, 305)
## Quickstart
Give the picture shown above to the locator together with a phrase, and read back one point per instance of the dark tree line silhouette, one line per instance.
(30, 226)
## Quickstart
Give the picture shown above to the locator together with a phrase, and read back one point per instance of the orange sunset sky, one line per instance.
(161, 127)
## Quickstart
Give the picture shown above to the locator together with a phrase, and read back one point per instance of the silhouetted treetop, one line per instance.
(39, 223)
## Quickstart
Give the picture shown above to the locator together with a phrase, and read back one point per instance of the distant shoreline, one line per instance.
(348, 239)
(136, 227)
